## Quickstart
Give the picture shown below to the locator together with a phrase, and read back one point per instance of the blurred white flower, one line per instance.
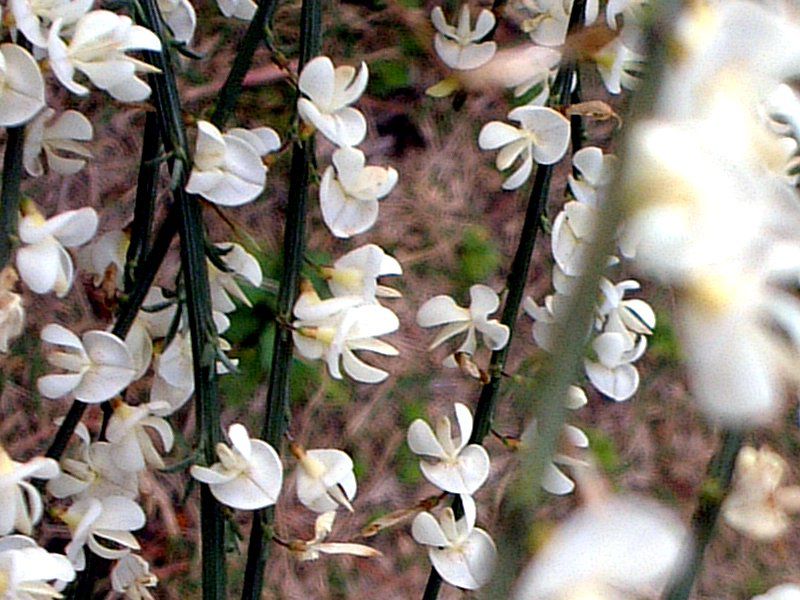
(61, 135)
(249, 475)
(98, 367)
(459, 47)
(329, 93)
(20, 503)
(785, 591)
(34, 17)
(311, 549)
(239, 264)
(131, 576)
(449, 463)
(462, 554)
(26, 569)
(443, 310)
(92, 471)
(97, 49)
(614, 62)
(42, 261)
(334, 329)
(228, 169)
(12, 311)
(239, 9)
(642, 545)
(92, 520)
(350, 190)
(612, 373)
(133, 447)
(758, 504)
(180, 17)
(549, 26)
(543, 137)
(325, 478)
(357, 272)
(21, 86)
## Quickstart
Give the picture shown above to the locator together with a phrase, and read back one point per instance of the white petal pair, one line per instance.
(459, 47)
(356, 274)
(450, 463)
(329, 92)
(21, 86)
(59, 136)
(325, 479)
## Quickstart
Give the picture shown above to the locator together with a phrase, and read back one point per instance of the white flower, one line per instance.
(613, 61)
(97, 49)
(311, 549)
(325, 479)
(543, 137)
(613, 374)
(249, 475)
(758, 505)
(228, 169)
(107, 251)
(786, 591)
(329, 93)
(334, 329)
(20, 503)
(642, 545)
(462, 554)
(98, 367)
(133, 448)
(458, 47)
(239, 263)
(111, 518)
(181, 18)
(25, 569)
(131, 576)
(443, 310)
(42, 261)
(632, 317)
(64, 134)
(554, 480)
(239, 9)
(349, 195)
(21, 86)
(450, 464)
(92, 472)
(34, 17)
(549, 27)
(12, 312)
(356, 274)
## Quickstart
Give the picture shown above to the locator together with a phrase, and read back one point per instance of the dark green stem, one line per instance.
(276, 416)
(145, 204)
(10, 192)
(232, 88)
(198, 301)
(712, 493)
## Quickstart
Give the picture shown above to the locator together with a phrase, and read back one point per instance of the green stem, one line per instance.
(145, 203)
(715, 487)
(276, 416)
(232, 88)
(10, 192)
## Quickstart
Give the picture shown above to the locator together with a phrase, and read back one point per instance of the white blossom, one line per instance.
(543, 137)
(34, 17)
(350, 190)
(249, 475)
(443, 310)
(97, 49)
(181, 18)
(460, 47)
(325, 479)
(357, 272)
(228, 169)
(127, 432)
(26, 570)
(239, 9)
(329, 92)
(462, 554)
(240, 264)
(20, 503)
(131, 576)
(98, 366)
(642, 545)
(785, 591)
(334, 329)
(21, 86)
(306, 550)
(93, 520)
(759, 505)
(42, 262)
(61, 135)
(12, 311)
(451, 464)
